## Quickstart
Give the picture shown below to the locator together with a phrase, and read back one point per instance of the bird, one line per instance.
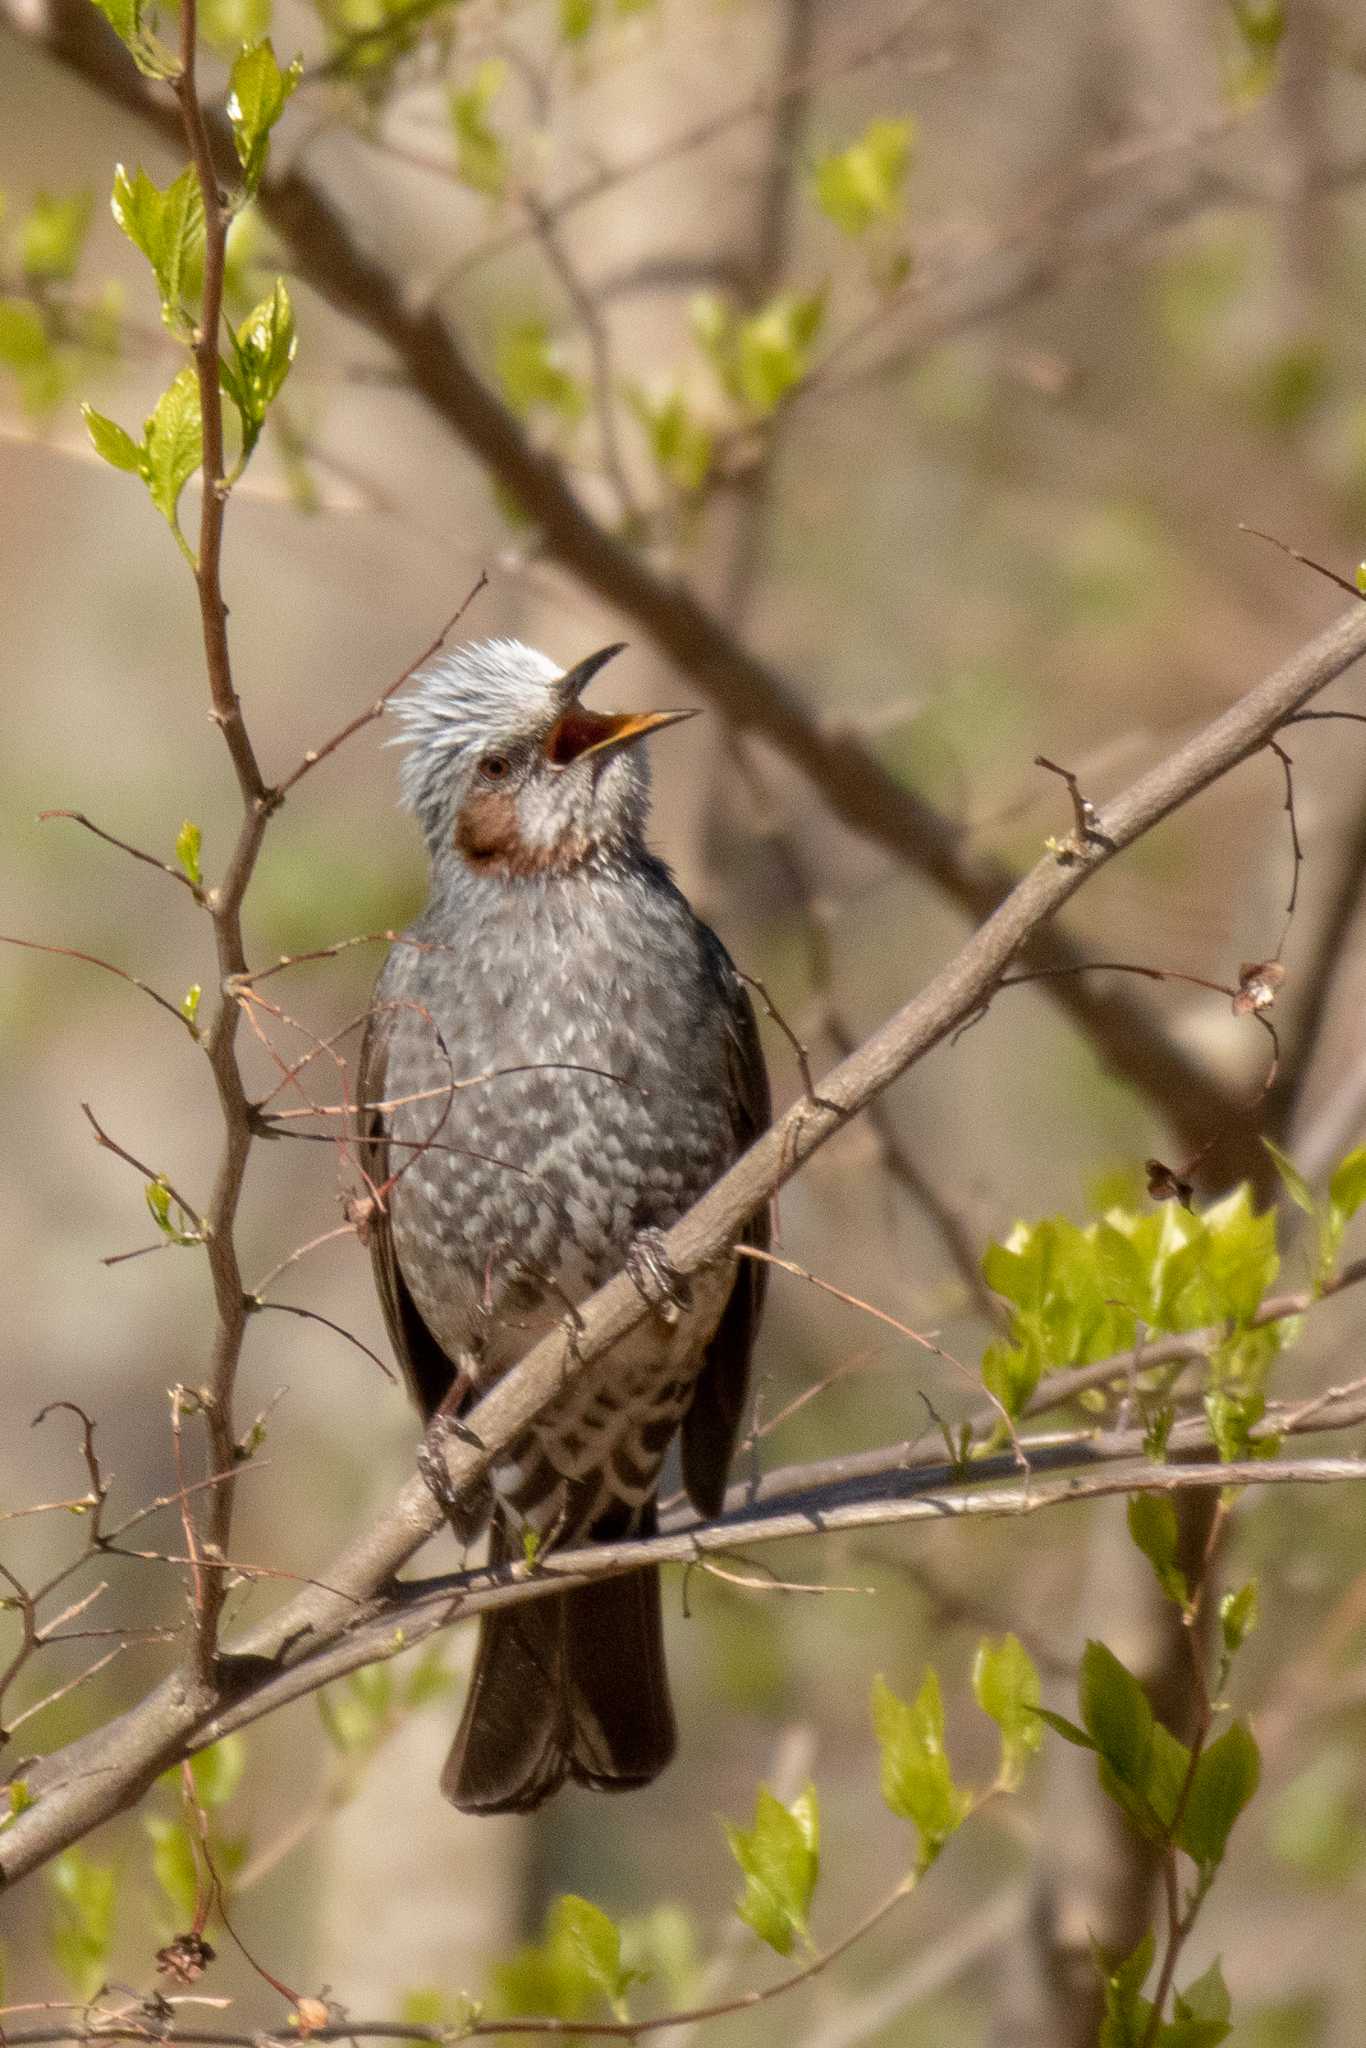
(559, 1059)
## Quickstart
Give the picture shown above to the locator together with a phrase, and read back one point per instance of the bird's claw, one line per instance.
(453, 1501)
(656, 1280)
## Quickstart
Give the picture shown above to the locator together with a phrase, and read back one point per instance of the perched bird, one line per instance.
(559, 1060)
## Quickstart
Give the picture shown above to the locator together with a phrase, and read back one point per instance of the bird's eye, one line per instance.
(495, 767)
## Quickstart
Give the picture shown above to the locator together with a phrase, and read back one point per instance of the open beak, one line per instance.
(578, 731)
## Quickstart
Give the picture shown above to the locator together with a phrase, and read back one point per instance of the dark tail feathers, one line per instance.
(573, 1686)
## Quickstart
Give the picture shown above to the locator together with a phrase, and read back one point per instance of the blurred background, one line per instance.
(945, 351)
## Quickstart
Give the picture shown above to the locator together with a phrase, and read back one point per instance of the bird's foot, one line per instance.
(656, 1280)
(432, 1465)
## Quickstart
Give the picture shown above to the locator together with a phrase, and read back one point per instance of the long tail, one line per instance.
(569, 1687)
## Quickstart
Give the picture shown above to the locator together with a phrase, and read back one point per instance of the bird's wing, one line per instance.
(712, 1424)
(426, 1367)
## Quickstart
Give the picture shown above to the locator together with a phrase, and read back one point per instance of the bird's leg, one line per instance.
(656, 1280)
(443, 1424)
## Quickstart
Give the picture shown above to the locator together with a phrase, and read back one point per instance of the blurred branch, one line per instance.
(104, 1773)
(753, 695)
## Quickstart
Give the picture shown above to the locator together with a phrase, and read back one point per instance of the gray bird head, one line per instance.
(509, 772)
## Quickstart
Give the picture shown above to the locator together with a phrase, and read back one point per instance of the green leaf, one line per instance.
(1127, 2012)
(1153, 1528)
(23, 337)
(82, 1928)
(780, 1859)
(263, 349)
(1261, 24)
(257, 93)
(173, 446)
(1293, 1181)
(148, 52)
(1238, 1615)
(1068, 1730)
(577, 18)
(1347, 1189)
(357, 1712)
(189, 1002)
(1012, 1372)
(217, 1771)
(1225, 1779)
(227, 24)
(168, 227)
(917, 1782)
(1006, 1685)
(480, 155)
(110, 441)
(681, 445)
(53, 235)
(1240, 1259)
(1116, 1714)
(174, 1865)
(428, 1679)
(1206, 1998)
(594, 1941)
(531, 370)
(773, 348)
(188, 843)
(865, 183)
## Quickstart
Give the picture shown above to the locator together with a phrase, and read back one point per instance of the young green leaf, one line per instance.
(1006, 1685)
(189, 1002)
(1206, 1999)
(263, 349)
(53, 235)
(357, 1712)
(1347, 1188)
(865, 183)
(109, 440)
(188, 843)
(148, 52)
(174, 1865)
(594, 1941)
(773, 348)
(531, 368)
(780, 1858)
(168, 227)
(577, 18)
(1238, 1614)
(257, 92)
(173, 447)
(480, 154)
(23, 338)
(1292, 1180)
(1011, 1372)
(917, 1782)
(1225, 1779)
(1153, 1528)
(82, 1928)
(682, 445)
(1116, 1714)
(217, 1771)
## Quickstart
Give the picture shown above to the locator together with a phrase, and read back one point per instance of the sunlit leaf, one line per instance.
(780, 1859)
(53, 234)
(917, 1782)
(1006, 1686)
(257, 93)
(865, 183)
(173, 444)
(168, 227)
